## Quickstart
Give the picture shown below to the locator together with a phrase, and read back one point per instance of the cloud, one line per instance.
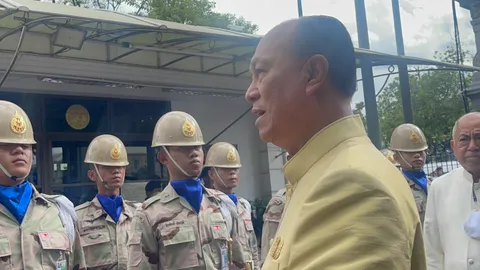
(427, 25)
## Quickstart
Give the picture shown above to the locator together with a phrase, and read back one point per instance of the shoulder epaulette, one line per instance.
(83, 205)
(133, 204)
(151, 200)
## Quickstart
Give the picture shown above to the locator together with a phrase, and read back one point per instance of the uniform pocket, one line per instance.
(251, 236)
(134, 247)
(55, 248)
(97, 248)
(219, 246)
(5, 254)
(180, 249)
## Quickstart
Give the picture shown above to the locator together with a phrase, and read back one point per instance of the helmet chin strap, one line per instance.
(401, 156)
(176, 164)
(13, 177)
(101, 178)
(218, 175)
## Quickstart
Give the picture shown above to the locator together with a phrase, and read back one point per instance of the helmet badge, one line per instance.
(17, 124)
(188, 129)
(414, 137)
(231, 157)
(115, 152)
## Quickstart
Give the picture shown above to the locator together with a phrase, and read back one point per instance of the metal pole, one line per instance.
(229, 125)
(300, 8)
(373, 126)
(402, 68)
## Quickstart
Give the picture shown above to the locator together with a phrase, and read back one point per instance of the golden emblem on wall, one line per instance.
(77, 117)
(188, 129)
(414, 137)
(276, 248)
(17, 124)
(231, 157)
(115, 152)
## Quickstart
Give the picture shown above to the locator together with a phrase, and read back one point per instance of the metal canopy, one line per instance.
(143, 42)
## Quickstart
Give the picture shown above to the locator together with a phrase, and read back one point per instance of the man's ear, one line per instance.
(162, 157)
(92, 175)
(317, 69)
(211, 174)
(397, 157)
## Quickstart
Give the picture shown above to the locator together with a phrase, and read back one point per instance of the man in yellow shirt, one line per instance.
(347, 206)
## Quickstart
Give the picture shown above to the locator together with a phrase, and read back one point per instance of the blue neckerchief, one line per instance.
(191, 190)
(234, 198)
(113, 205)
(419, 178)
(16, 199)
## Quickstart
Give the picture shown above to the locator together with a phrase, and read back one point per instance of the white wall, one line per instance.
(213, 115)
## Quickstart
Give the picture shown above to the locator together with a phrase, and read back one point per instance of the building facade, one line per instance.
(65, 125)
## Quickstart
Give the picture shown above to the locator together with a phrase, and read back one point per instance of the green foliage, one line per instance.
(197, 12)
(359, 110)
(194, 12)
(436, 100)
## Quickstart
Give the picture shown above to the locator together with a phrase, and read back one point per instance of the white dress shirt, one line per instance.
(449, 204)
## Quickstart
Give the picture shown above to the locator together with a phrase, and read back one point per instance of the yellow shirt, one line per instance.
(347, 207)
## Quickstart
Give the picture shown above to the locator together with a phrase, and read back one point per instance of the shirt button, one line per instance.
(470, 261)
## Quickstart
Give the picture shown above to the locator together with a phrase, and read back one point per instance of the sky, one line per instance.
(427, 24)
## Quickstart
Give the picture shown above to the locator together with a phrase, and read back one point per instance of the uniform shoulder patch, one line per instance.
(49, 196)
(246, 204)
(281, 192)
(150, 201)
(214, 192)
(276, 201)
(83, 205)
(132, 204)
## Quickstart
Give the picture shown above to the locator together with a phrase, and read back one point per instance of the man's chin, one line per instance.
(264, 134)
(20, 173)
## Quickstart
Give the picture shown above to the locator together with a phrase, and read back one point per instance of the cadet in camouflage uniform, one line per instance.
(410, 145)
(104, 222)
(271, 220)
(37, 230)
(223, 168)
(390, 155)
(186, 226)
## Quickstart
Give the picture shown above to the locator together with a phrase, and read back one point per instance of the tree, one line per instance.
(194, 12)
(436, 100)
(197, 12)
(359, 111)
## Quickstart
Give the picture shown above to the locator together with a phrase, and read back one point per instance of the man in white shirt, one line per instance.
(452, 220)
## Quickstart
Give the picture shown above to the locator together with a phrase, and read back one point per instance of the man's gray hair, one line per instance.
(454, 130)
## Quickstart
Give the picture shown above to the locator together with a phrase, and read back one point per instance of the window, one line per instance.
(77, 194)
(137, 168)
(137, 117)
(68, 163)
(33, 177)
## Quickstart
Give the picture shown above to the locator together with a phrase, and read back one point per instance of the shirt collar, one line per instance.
(37, 196)
(320, 144)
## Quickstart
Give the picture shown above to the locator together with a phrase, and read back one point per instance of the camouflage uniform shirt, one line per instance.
(420, 196)
(247, 236)
(104, 242)
(173, 236)
(40, 241)
(271, 220)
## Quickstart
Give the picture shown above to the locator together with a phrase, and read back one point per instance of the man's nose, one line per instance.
(194, 153)
(473, 145)
(18, 149)
(252, 93)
